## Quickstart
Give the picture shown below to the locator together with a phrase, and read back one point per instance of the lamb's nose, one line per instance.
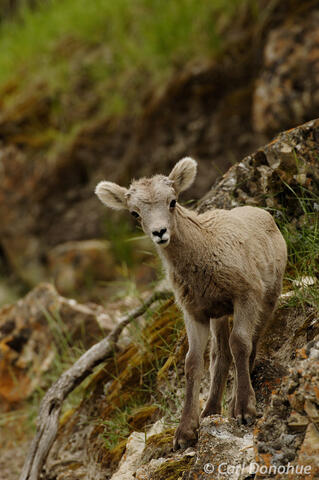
(159, 233)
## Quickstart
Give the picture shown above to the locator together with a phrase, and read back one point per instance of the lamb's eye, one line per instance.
(135, 214)
(172, 204)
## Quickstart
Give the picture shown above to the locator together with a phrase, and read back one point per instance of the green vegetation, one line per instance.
(301, 232)
(117, 428)
(109, 45)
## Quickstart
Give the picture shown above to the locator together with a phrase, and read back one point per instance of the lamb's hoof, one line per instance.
(245, 419)
(185, 437)
(244, 410)
(210, 410)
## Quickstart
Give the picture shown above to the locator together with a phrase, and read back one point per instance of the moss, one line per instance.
(158, 445)
(111, 458)
(66, 416)
(173, 469)
(142, 417)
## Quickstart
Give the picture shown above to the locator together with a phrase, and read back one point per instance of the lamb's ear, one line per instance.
(112, 195)
(183, 174)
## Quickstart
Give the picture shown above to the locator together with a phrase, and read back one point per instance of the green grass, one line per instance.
(111, 44)
(301, 233)
(117, 428)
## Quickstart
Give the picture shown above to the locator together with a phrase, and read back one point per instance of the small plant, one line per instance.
(302, 236)
(117, 427)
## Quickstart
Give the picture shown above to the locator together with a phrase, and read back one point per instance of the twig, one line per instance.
(50, 408)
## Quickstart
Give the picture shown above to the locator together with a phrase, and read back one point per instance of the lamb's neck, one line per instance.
(185, 238)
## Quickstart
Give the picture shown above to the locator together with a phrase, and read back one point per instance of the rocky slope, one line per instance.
(123, 427)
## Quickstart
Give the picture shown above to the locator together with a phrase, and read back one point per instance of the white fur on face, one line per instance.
(151, 198)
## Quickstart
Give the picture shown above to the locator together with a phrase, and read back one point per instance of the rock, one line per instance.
(309, 451)
(293, 432)
(286, 91)
(20, 198)
(146, 472)
(312, 410)
(223, 449)
(74, 265)
(297, 422)
(34, 329)
(131, 458)
(259, 178)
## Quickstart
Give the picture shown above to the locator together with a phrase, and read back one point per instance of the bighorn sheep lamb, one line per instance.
(219, 262)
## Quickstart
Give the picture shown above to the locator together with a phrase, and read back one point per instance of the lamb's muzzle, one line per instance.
(219, 262)
(160, 236)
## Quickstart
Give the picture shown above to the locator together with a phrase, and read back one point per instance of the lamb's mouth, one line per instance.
(163, 242)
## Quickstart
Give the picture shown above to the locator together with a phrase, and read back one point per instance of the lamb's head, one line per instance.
(152, 200)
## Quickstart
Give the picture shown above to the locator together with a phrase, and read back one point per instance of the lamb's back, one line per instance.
(247, 233)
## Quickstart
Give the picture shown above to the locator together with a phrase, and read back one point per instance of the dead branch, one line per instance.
(51, 405)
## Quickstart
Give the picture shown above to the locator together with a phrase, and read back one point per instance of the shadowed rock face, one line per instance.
(287, 90)
(285, 381)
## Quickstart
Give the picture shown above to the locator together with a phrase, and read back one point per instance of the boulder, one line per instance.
(35, 329)
(74, 265)
(273, 176)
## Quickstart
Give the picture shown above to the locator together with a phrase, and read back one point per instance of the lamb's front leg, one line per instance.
(197, 333)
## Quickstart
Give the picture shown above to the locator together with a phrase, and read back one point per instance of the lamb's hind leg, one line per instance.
(269, 305)
(197, 333)
(265, 317)
(220, 362)
(241, 345)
